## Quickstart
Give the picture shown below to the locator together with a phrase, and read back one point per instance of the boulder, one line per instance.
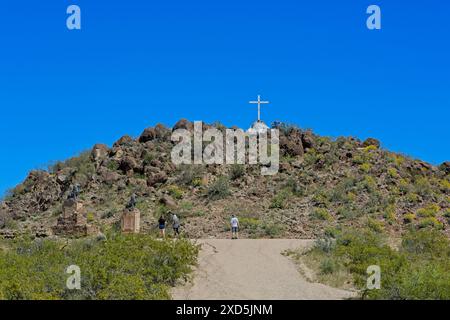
(162, 132)
(291, 143)
(99, 152)
(64, 176)
(167, 201)
(183, 124)
(371, 142)
(445, 167)
(127, 164)
(159, 132)
(109, 177)
(291, 147)
(149, 134)
(308, 140)
(155, 178)
(123, 141)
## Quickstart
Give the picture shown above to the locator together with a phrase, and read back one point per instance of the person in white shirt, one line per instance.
(234, 227)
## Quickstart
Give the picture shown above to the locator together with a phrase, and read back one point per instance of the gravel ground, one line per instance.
(252, 269)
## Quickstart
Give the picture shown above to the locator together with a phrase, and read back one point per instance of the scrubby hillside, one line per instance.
(322, 183)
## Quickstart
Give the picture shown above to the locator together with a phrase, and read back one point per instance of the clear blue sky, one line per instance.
(136, 63)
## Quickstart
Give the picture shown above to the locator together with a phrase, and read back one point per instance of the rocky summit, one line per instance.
(322, 183)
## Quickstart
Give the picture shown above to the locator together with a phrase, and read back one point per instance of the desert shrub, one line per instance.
(188, 174)
(123, 267)
(375, 225)
(279, 201)
(321, 197)
(444, 185)
(83, 165)
(113, 165)
(219, 189)
(430, 222)
(321, 214)
(148, 157)
(325, 244)
(430, 243)
(328, 266)
(418, 270)
(348, 212)
(249, 224)
(272, 229)
(197, 182)
(175, 191)
(293, 186)
(428, 211)
(260, 228)
(237, 171)
(409, 217)
(447, 213)
(423, 187)
(369, 184)
(412, 198)
(393, 173)
(389, 214)
(358, 159)
(365, 167)
(311, 157)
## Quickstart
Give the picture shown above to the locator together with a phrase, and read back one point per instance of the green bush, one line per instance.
(417, 270)
(328, 266)
(430, 222)
(280, 199)
(428, 211)
(190, 174)
(123, 267)
(237, 171)
(175, 191)
(219, 189)
(409, 217)
(375, 225)
(292, 185)
(321, 214)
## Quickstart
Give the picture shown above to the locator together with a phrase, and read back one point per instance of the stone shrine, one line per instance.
(73, 221)
(131, 220)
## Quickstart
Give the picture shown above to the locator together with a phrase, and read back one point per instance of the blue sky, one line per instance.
(136, 63)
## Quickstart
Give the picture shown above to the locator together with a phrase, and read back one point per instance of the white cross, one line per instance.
(259, 102)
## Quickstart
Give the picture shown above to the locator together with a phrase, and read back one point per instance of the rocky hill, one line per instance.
(322, 183)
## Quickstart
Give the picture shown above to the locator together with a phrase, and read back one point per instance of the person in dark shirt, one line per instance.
(162, 226)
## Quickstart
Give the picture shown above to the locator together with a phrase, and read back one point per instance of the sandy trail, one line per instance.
(251, 269)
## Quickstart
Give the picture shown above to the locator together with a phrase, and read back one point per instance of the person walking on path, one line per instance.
(162, 226)
(234, 227)
(176, 225)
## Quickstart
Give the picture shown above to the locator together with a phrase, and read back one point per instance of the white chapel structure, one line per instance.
(258, 126)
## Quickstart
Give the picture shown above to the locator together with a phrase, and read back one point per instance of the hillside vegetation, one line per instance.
(122, 267)
(322, 183)
(366, 205)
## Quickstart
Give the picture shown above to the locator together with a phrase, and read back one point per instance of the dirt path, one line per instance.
(251, 269)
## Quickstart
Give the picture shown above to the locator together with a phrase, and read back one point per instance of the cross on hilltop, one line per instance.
(259, 102)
